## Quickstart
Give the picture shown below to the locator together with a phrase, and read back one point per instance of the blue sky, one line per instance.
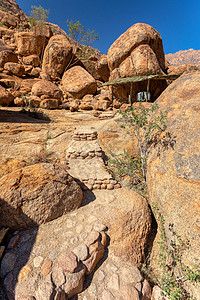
(178, 22)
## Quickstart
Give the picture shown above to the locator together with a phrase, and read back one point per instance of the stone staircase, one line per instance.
(85, 161)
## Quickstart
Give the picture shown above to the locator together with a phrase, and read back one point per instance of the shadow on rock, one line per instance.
(12, 265)
(23, 116)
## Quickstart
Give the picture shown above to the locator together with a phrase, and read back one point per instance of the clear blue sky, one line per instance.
(178, 22)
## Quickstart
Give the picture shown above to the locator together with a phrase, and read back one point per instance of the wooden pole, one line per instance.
(148, 84)
(130, 96)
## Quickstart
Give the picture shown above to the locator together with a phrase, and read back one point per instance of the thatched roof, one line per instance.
(140, 78)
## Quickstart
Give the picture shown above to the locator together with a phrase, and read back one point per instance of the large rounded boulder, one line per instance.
(77, 82)
(173, 168)
(37, 194)
(136, 35)
(137, 52)
(47, 89)
(57, 56)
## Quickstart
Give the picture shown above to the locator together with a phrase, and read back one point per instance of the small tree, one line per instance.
(77, 32)
(143, 125)
(90, 37)
(39, 16)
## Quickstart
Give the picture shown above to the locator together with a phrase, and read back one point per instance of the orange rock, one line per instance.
(44, 186)
(24, 272)
(96, 253)
(32, 60)
(29, 43)
(14, 68)
(173, 166)
(78, 82)
(57, 56)
(102, 67)
(7, 56)
(8, 19)
(47, 88)
(49, 103)
(46, 267)
(136, 35)
(5, 96)
(8, 165)
(19, 101)
(101, 104)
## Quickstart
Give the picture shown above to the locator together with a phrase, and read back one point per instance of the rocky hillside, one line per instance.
(70, 228)
(11, 6)
(190, 57)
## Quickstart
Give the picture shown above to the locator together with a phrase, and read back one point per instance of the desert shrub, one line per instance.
(143, 124)
(38, 17)
(173, 271)
(77, 32)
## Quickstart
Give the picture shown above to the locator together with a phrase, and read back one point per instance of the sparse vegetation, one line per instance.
(38, 17)
(145, 127)
(174, 271)
(3, 8)
(77, 32)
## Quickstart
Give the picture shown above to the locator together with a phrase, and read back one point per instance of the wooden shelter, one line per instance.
(139, 79)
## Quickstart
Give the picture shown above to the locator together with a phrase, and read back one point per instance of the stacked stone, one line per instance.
(85, 133)
(84, 149)
(99, 184)
(86, 164)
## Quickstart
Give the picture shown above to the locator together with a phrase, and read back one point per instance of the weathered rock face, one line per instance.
(48, 89)
(29, 43)
(78, 82)
(14, 68)
(173, 167)
(182, 69)
(32, 60)
(102, 67)
(137, 52)
(57, 56)
(138, 34)
(8, 19)
(37, 194)
(9, 165)
(5, 96)
(7, 56)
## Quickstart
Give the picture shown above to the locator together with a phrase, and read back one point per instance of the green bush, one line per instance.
(77, 32)
(38, 17)
(141, 123)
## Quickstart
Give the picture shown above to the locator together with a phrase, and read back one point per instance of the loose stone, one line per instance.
(37, 261)
(81, 251)
(46, 267)
(24, 272)
(110, 186)
(68, 261)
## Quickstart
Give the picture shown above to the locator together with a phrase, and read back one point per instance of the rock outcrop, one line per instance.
(47, 93)
(77, 82)
(138, 51)
(189, 57)
(102, 67)
(29, 43)
(37, 194)
(57, 56)
(5, 96)
(173, 168)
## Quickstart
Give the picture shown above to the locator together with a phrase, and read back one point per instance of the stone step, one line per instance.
(85, 133)
(91, 174)
(84, 149)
